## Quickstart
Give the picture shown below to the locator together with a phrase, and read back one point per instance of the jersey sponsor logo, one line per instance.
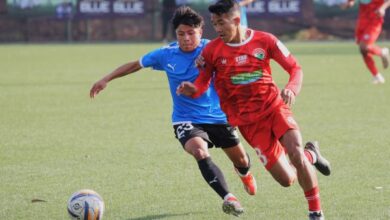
(259, 53)
(246, 78)
(283, 48)
(172, 67)
(241, 59)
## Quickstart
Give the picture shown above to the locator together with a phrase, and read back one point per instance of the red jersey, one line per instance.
(242, 75)
(367, 10)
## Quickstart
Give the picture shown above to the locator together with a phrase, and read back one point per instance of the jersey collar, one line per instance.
(245, 41)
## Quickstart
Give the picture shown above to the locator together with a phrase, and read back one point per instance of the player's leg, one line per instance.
(283, 172)
(226, 137)
(368, 43)
(367, 52)
(193, 139)
(286, 130)
(313, 154)
(366, 36)
(306, 174)
(197, 147)
(269, 151)
(241, 162)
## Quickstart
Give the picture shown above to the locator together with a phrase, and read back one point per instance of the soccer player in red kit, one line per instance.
(368, 28)
(238, 63)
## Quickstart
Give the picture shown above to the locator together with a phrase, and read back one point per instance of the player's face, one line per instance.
(226, 26)
(188, 37)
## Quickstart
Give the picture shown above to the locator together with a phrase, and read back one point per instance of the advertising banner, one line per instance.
(28, 8)
(96, 8)
(101, 8)
(260, 8)
(275, 8)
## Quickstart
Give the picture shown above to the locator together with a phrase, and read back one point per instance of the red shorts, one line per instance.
(264, 134)
(368, 31)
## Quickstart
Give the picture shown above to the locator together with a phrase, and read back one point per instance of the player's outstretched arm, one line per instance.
(284, 58)
(293, 86)
(382, 9)
(123, 70)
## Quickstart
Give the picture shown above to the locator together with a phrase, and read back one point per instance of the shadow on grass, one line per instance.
(162, 216)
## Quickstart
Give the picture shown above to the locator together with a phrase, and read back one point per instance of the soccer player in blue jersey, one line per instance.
(198, 123)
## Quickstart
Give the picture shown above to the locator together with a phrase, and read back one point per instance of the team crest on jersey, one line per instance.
(223, 61)
(259, 53)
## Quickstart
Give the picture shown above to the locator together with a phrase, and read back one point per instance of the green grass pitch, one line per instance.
(54, 140)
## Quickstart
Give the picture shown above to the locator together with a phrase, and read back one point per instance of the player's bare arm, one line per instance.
(382, 10)
(286, 60)
(123, 70)
(293, 86)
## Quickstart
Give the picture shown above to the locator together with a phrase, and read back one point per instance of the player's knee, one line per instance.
(297, 158)
(287, 181)
(363, 49)
(242, 161)
(199, 153)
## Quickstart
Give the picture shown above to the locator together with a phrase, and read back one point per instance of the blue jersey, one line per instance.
(180, 66)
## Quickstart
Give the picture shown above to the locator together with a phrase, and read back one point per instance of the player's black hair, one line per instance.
(187, 16)
(223, 7)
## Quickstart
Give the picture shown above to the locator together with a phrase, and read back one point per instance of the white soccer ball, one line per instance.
(85, 204)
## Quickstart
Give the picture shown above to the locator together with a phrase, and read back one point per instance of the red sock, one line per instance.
(370, 64)
(374, 49)
(309, 156)
(313, 199)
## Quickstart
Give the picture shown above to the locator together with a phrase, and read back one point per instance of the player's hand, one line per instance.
(186, 88)
(288, 96)
(97, 87)
(199, 62)
(380, 12)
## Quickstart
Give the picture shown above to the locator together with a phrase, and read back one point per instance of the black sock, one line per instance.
(244, 170)
(213, 176)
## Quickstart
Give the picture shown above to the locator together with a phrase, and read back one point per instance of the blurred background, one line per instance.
(141, 20)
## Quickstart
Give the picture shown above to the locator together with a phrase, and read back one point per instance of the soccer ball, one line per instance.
(85, 204)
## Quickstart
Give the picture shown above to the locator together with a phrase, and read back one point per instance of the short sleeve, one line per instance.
(153, 59)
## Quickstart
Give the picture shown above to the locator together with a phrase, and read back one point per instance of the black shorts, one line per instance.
(218, 135)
